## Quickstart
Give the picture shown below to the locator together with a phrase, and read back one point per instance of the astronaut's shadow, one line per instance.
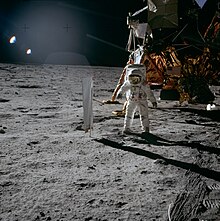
(148, 138)
(212, 174)
(159, 141)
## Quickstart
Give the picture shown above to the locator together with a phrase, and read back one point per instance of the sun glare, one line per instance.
(28, 52)
(12, 40)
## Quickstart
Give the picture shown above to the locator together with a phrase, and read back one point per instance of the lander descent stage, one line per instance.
(177, 76)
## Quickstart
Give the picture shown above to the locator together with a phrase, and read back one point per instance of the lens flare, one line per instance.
(28, 52)
(12, 40)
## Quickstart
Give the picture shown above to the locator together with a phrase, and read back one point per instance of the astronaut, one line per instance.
(137, 93)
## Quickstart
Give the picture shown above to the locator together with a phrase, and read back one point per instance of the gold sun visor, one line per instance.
(134, 79)
(136, 70)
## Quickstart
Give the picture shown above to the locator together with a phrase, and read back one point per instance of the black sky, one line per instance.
(92, 32)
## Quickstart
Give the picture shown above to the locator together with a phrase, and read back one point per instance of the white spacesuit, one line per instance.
(137, 93)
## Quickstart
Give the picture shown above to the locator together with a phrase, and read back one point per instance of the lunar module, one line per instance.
(182, 65)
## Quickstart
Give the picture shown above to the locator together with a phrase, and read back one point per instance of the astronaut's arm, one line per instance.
(151, 96)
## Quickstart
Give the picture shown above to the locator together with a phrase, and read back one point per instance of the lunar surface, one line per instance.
(52, 170)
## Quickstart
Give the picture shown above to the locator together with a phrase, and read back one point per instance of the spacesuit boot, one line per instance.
(127, 131)
(127, 125)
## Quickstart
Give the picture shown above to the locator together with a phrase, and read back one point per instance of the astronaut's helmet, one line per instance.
(136, 74)
(135, 77)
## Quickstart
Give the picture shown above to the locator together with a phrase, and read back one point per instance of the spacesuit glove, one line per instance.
(154, 104)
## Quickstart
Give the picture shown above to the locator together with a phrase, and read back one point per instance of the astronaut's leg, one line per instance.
(129, 115)
(143, 108)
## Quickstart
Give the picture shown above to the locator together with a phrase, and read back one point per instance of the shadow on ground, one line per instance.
(155, 140)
